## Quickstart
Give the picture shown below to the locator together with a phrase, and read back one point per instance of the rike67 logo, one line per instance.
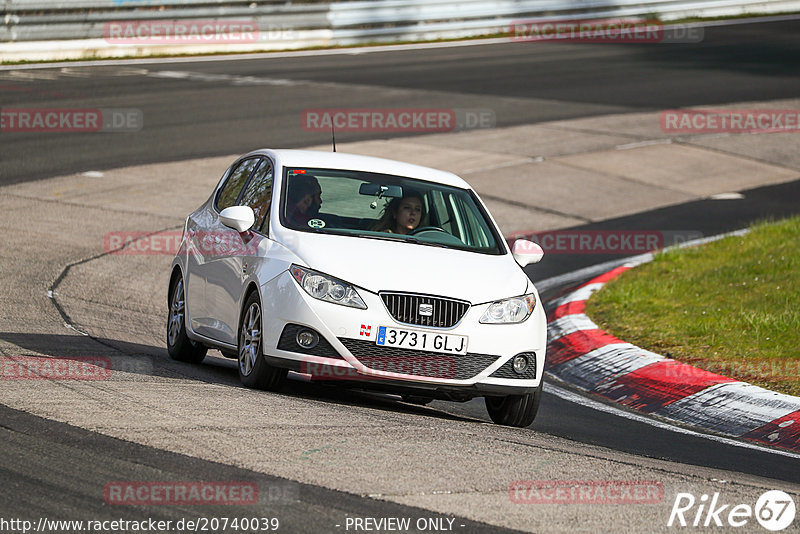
(774, 510)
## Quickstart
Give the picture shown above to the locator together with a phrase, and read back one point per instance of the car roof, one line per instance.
(343, 161)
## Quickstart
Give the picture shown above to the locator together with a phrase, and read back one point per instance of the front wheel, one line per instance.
(179, 346)
(254, 372)
(515, 410)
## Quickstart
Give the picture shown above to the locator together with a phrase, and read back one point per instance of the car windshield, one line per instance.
(381, 206)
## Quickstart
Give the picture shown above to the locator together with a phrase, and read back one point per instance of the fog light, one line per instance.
(307, 339)
(520, 364)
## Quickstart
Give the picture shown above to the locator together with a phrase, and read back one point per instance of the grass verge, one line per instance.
(731, 307)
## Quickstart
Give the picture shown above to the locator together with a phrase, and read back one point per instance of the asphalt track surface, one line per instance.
(213, 108)
(53, 470)
(46, 467)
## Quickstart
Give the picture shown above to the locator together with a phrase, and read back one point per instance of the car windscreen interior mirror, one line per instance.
(380, 190)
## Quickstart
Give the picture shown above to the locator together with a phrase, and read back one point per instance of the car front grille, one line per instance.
(418, 362)
(424, 310)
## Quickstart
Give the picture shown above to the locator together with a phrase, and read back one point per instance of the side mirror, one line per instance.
(240, 218)
(526, 252)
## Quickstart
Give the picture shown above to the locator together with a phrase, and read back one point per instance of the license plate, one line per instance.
(420, 340)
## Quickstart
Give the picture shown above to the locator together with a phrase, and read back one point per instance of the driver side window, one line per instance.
(229, 193)
(258, 195)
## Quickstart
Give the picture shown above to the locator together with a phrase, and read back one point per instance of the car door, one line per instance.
(211, 269)
(228, 273)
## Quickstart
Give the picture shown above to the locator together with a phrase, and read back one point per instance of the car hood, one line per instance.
(382, 265)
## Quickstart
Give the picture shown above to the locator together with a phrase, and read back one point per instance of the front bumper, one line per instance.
(347, 352)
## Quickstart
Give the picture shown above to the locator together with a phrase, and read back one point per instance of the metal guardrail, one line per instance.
(61, 5)
(405, 19)
(30, 21)
(287, 24)
(397, 11)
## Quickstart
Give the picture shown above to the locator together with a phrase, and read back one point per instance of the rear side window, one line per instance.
(233, 186)
(258, 195)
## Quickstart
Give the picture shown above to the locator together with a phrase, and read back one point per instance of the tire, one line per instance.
(515, 410)
(254, 371)
(179, 346)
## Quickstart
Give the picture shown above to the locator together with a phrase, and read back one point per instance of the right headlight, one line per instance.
(324, 287)
(509, 311)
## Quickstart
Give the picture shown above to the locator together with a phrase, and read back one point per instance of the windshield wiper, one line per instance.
(426, 243)
(388, 237)
(403, 239)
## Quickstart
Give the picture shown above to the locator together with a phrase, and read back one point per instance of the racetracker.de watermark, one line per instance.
(48, 368)
(170, 243)
(429, 366)
(180, 31)
(603, 30)
(73, 367)
(181, 493)
(710, 121)
(585, 492)
(70, 120)
(780, 370)
(606, 241)
(427, 120)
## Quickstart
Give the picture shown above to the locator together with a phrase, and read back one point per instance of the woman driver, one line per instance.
(402, 215)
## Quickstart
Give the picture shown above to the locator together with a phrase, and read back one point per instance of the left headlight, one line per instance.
(508, 311)
(327, 288)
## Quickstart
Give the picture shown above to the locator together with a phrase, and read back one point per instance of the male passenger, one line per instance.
(304, 199)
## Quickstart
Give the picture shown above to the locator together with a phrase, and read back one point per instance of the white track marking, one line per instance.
(733, 408)
(569, 396)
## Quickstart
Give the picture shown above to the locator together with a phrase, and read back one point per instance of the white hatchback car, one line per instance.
(377, 274)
